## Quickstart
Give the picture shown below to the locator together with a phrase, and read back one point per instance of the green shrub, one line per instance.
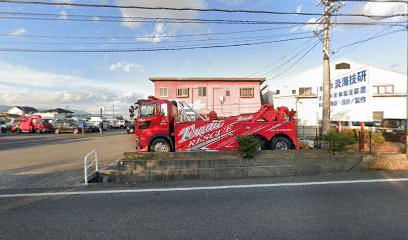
(376, 138)
(338, 141)
(248, 145)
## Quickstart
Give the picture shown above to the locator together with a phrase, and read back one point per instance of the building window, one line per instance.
(305, 91)
(381, 89)
(163, 92)
(293, 91)
(227, 93)
(247, 92)
(202, 91)
(277, 92)
(182, 92)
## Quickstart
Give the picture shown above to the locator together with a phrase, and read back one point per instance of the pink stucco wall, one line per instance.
(232, 105)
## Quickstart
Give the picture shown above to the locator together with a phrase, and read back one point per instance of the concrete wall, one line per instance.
(176, 166)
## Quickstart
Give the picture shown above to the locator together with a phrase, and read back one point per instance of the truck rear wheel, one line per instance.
(75, 131)
(57, 131)
(281, 143)
(18, 130)
(160, 145)
(38, 131)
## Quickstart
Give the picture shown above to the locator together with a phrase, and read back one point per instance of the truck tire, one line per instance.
(281, 143)
(160, 145)
(37, 131)
(18, 130)
(76, 131)
(57, 131)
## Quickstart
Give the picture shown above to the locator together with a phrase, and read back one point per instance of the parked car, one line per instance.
(393, 129)
(130, 128)
(67, 126)
(372, 126)
(3, 126)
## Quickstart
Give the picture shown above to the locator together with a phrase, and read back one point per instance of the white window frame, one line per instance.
(182, 95)
(201, 91)
(160, 92)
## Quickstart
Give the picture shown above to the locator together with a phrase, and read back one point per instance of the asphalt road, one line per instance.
(375, 210)
(44, 160)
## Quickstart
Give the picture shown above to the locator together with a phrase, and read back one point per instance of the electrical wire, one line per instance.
(296, 62)
(142, 49)
(366, 40)
(100, 17)
(146, 37)
(282, 58)
(240, 39)
(187, 21)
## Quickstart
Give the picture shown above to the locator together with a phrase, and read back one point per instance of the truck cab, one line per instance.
(154, 125)
(33, 124)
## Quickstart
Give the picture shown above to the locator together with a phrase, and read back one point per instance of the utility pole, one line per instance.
(113, 110)
(326, 67)
(406, 96)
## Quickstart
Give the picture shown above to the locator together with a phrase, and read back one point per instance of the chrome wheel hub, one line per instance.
(281, 146)
(160, 147)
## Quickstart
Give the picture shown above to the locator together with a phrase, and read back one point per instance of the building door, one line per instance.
(217, 103)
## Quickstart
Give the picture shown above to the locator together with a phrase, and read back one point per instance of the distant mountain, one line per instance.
(79, 112)
(4, 107)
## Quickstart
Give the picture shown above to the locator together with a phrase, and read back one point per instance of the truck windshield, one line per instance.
(147, 110)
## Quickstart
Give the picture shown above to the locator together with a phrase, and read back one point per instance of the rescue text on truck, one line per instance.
(163, 126)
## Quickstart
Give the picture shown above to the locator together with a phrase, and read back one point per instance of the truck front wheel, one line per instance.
(160, 145)
(281, 143)
(37, 131)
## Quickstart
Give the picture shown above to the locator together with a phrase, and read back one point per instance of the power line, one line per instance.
(182, 9)
(301, 50)
(145, 37)
(99, 17)
(366, 40)
(281, 59)
(157, 8)
(291, 66)
(241, 39)
(377, 1)
(188, 21)
(142, 49)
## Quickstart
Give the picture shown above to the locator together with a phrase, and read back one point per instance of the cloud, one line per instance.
(232, 2)
(18, 31)
(299, 8)
(312, 27)
(294, 29)
(170, 28)
(374, 8)
(20, 85)
(63, 15)
(158, 34)
(125, 67)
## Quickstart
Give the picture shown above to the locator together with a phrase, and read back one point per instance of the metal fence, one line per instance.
(309, 132)
(87, 166)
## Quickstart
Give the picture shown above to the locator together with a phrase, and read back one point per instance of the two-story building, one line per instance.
(382, 95)
(225, 96)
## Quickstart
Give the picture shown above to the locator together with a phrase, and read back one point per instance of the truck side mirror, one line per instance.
(131, 109)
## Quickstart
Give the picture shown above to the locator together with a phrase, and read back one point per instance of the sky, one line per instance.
(89, 81)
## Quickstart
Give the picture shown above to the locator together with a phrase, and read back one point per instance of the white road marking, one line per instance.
(271, 185)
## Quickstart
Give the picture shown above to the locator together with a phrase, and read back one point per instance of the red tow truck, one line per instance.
(33, 124)
(159, 128)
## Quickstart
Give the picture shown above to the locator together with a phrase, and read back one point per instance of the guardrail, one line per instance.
(86, 166)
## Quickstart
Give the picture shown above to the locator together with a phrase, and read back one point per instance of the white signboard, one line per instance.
(349, 97)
